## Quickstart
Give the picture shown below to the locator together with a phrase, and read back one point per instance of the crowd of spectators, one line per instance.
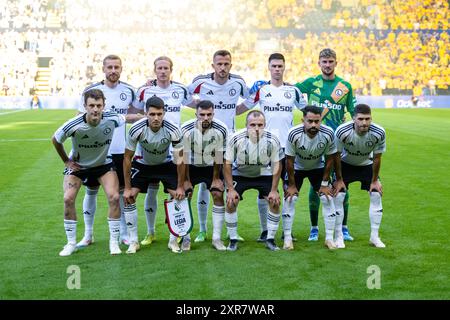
(391, 47)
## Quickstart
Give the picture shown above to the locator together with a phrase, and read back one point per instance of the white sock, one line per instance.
(172, 237)
(89, 208)
(114, 230)
(202, 206)
(231, 221)
(273, 219)
(123, 223)
(287, 215)
(375, 213)
(218, 213)
(263, 208)
(150, 207)
(329, 216)
(131, 218)
(71, 231)
(339, 207)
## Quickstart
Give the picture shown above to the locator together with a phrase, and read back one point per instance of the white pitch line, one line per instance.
(24, 140)
(5, 113)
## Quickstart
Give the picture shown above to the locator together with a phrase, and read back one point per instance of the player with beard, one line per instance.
(223, 89)
(335, 97)
(119, 97)
(360, 145)
(310, 153)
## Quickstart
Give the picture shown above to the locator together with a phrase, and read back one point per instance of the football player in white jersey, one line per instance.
(253, 161)
(223, 89)
(88, 164)
(310, 153)
(119, 97)
(360, 144)
(204, 140)
(155, 164)
(277, 100)
(175, 95)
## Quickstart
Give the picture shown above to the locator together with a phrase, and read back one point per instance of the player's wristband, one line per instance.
(324, 184)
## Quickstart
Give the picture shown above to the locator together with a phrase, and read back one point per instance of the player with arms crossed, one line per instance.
(88, 164)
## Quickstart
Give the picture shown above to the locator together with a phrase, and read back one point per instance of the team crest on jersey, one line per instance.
(287, 95)
(106, 131)
(232, 92)
(165, 141)
(339, 91)
(123, 96)
(321, 145)
(369, 144)
(175, 95)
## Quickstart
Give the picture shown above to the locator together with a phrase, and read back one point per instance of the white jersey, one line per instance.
(224, 96)
(174, 96)
(253, 159)
(277, 104)
(358, 150)
(118, 99)
(153, 147)
(90, 145)
(309, 153)
(204, 149)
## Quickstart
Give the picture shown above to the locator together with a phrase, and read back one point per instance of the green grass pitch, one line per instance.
(414, 265)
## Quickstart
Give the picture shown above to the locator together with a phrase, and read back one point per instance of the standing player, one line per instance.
(155, 136)
(310, 153)
(335, 96)
(361, 144)
(91, 134)
(223, 89)
(204, 140)
(119, 96)
(253, 161)
(277, 101)
(174, 95)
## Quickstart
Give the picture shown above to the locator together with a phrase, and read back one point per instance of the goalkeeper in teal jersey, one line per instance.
(335, 96)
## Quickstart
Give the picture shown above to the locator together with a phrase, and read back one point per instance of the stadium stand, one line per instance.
(55, 47)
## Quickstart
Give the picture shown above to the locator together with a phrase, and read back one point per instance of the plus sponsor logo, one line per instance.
(96, 144)
(277, 107)
(168, 108)
(223, 106)
(327, 104)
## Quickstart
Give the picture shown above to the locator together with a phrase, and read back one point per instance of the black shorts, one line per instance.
(283, 176)
(142, 175)
(89, 177)
(351, 173)
(202, 174)
(262, 183)
(118, 164)
(314, 176)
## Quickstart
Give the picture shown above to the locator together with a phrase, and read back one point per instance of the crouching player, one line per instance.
(88, 164)
(152, 137)
(310, 153)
